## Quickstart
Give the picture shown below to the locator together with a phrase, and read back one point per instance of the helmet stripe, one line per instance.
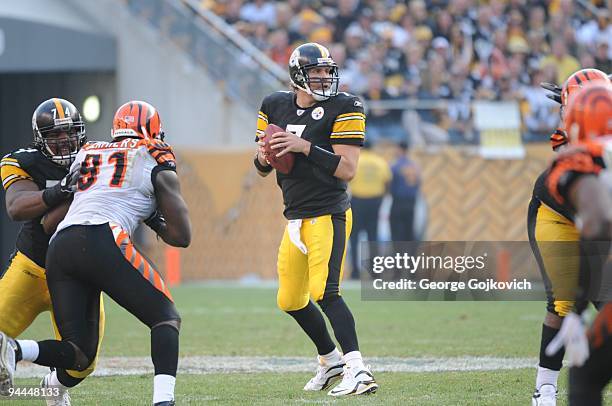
(58, 106)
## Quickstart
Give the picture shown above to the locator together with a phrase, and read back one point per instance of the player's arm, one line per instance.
(176, 227)
(260, 162)
(593, 205)
(54, 216)
(24, 201)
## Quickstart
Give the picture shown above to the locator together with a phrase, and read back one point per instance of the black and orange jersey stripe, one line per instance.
(569, 165)
(138, 261)
(162, 153)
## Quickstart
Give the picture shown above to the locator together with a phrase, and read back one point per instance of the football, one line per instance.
(284, 164)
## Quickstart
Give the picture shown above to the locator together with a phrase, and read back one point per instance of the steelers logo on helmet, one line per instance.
(59, 130)
(309, 56)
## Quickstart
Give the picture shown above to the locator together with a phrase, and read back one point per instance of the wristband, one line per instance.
(328, 161)
(260, 167)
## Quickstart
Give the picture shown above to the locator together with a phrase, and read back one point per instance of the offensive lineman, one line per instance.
(31, 178)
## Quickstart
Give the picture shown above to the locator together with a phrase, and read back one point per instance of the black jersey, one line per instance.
(307, 190)
(542, 195)
(31, 164)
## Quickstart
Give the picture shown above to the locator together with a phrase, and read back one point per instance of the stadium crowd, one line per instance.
(457, 51)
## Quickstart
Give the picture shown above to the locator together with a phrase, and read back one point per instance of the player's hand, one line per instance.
(261, 154)
(288, 142)
(156, 221)
(62, 190)
(572, 336)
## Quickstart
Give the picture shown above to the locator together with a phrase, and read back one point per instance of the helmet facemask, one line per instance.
(61, 150)
(325, 87)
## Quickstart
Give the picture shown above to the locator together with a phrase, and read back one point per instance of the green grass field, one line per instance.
(244, 321)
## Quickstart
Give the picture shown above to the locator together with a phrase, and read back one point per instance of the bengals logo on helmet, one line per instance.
(137, 119)
(589, 113)
(579, 79)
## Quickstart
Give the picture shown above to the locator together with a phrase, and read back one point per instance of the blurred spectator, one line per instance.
(259, 11)
(368, 188)
(405, 184)
(603, 61)
(540, 114)
(279, 50)
(565, 63)
(596, 30)
(495, 45)
(382, 123)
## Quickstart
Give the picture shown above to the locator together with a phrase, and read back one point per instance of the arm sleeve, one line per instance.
(11, 171)
(262, 120)
(349, 125)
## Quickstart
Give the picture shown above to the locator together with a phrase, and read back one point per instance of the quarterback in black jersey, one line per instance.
(325, 129)
(35, 180)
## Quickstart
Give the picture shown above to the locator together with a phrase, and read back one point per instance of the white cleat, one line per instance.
(326, 375)
(545, 396)
(7, 364)
(355, 382)
(62, 398)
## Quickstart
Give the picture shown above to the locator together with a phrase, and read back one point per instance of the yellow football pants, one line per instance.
(561, 261)
(318, 273)
(24, 295)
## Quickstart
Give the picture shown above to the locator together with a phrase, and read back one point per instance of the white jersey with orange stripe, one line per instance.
(115, 184)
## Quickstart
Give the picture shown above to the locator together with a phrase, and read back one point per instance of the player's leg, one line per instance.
(326, 239)
(587, 382)
(552, 240)
(293, 298)
(131, 281)
(70, 378)
(23, 294)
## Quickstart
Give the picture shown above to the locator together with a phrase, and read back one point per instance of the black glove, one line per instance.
(62, 191)
(155, 221)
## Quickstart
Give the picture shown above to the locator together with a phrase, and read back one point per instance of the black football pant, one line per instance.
(83, 261)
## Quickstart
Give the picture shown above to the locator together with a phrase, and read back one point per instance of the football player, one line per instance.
(548, 221)
(31, 178)
(325, 129)
(120, 184)
(578, 181)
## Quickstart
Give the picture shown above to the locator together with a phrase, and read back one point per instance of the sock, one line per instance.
(54, 381)
(163, 388)
(312, 322)
(546, 376)
(334, 357)
(554, 362)
(165, 349)
(66, 379)
(29, 350)
(342, 321)
(353, 360)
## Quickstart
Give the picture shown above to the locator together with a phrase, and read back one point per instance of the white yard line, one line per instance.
(221, 364)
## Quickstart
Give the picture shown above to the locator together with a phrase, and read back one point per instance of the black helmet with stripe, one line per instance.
(306, 57)
(52, 118)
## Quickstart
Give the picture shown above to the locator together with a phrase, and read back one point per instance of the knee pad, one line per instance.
(326, 301)
(82, 359)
